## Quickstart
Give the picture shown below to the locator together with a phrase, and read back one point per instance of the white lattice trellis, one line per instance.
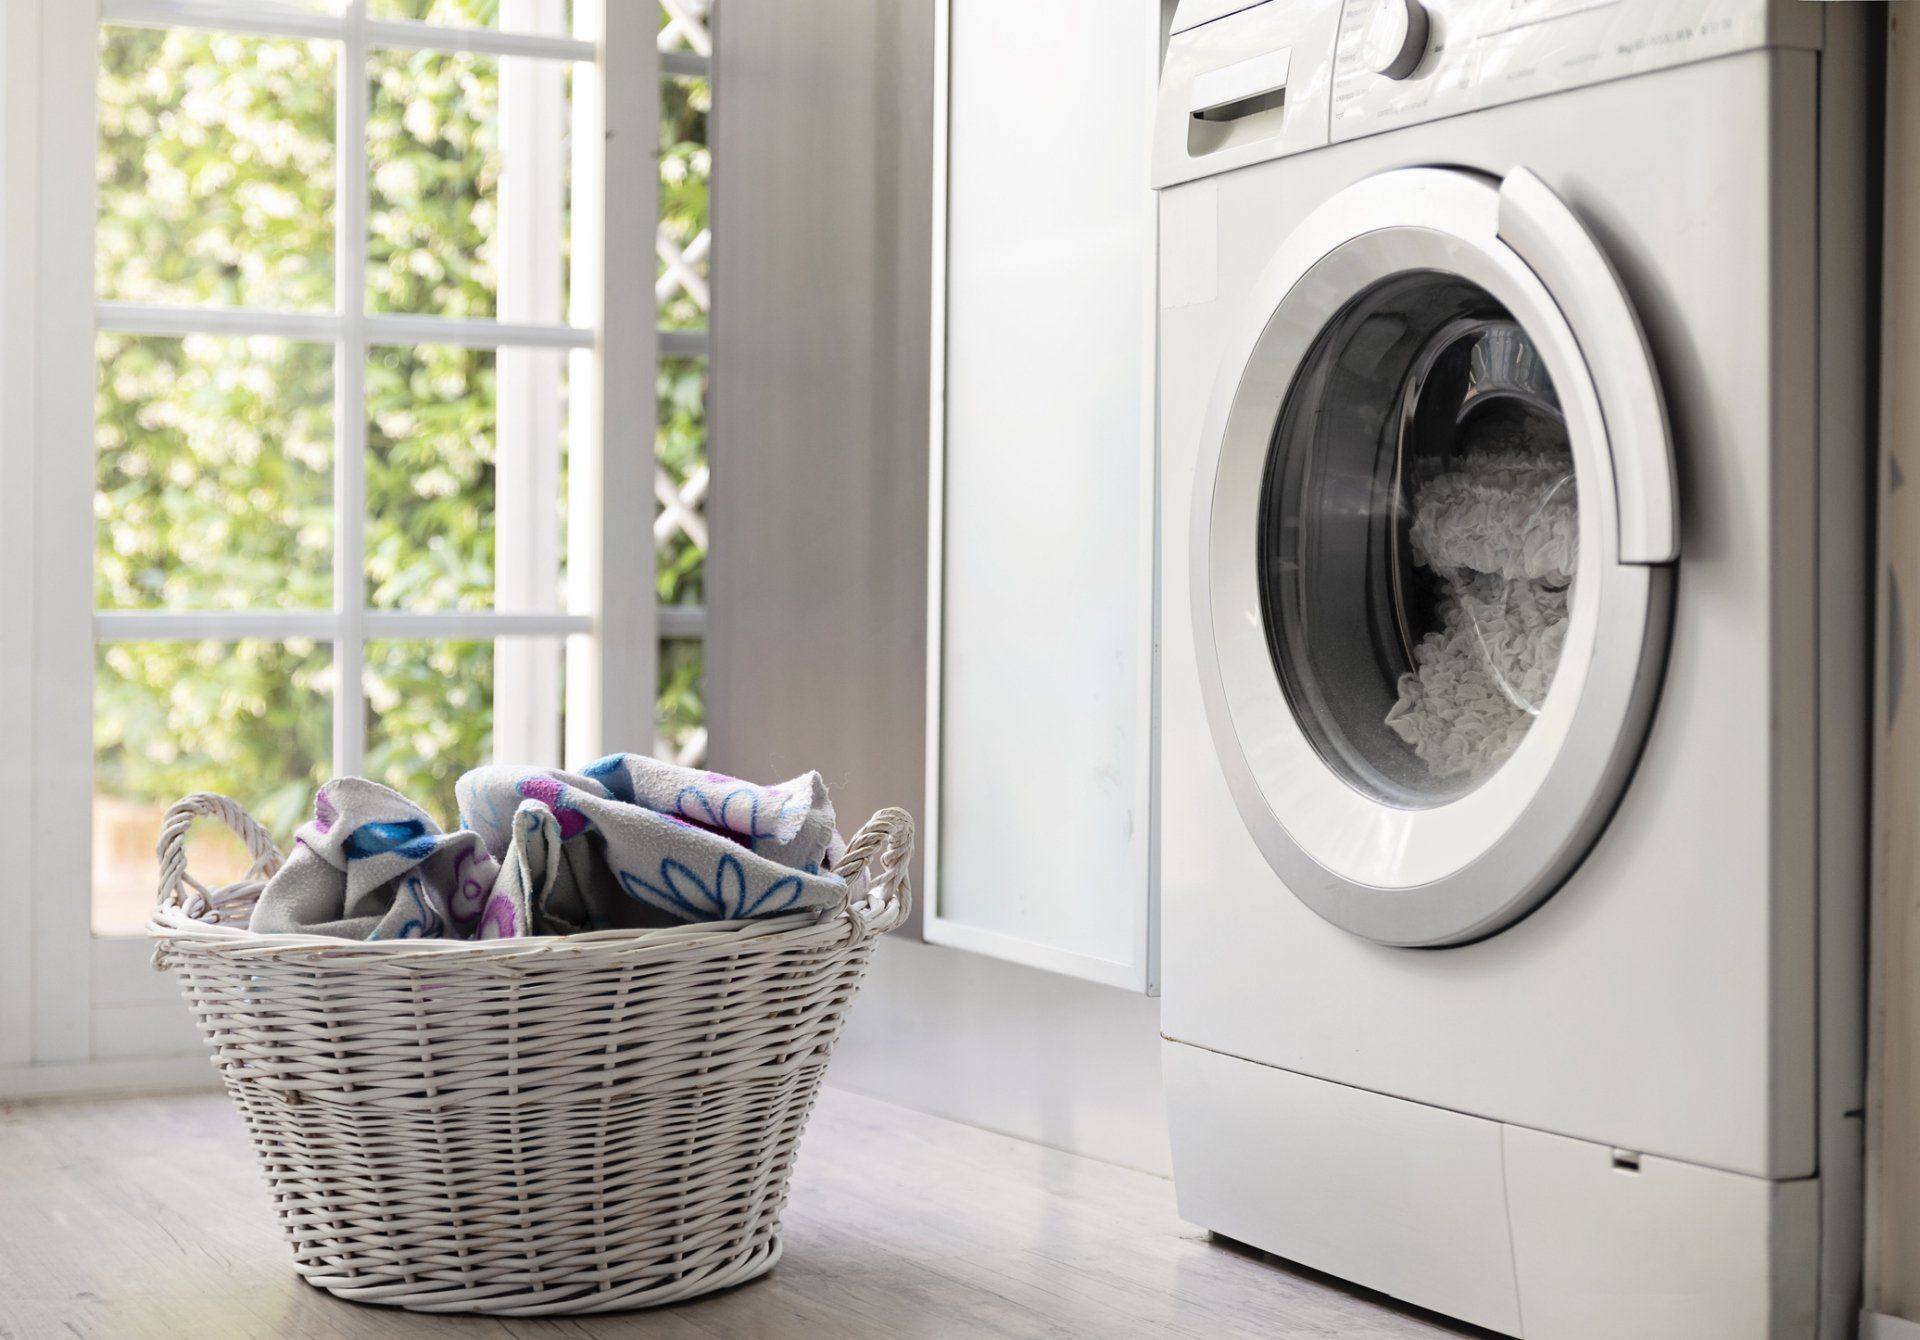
(680, 508)
(682, 274)
(686, 26)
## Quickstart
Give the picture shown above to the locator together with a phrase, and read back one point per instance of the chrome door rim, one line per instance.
(1466, 868)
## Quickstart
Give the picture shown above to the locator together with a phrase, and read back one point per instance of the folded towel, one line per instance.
(632, 841)
(1501, 531)
(372, 865)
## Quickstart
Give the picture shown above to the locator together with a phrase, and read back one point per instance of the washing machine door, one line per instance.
(1434, 545)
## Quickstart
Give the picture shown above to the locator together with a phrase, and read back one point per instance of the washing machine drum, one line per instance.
(1434, 540)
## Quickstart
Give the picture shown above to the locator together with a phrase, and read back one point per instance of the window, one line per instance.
(368, 321)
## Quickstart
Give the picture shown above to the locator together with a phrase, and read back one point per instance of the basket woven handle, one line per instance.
(233, 902)
(884, 842)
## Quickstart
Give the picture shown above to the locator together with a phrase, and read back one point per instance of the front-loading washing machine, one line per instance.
(1515, 476)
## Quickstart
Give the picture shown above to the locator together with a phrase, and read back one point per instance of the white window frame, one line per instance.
(82, 1012)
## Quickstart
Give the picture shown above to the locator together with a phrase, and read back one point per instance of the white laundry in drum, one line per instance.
(1498, 533)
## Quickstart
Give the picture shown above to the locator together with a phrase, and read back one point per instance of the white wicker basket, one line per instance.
(525, 1127)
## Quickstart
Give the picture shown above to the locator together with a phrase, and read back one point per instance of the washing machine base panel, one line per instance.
(1532, 1234)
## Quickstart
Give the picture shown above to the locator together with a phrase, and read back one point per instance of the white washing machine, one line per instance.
(1516, 467)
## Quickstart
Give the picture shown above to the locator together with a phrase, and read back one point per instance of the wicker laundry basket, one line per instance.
(533, 1126)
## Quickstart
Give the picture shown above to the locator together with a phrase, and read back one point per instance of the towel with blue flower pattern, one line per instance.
(372, 865)
(634, 841)
(625, 842)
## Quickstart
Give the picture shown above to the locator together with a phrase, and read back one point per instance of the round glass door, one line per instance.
(1418, 539)
(1431, 554)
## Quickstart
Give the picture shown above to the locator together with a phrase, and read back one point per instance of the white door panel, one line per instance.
(1041, 592)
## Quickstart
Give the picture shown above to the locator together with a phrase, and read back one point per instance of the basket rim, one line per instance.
(173, 927)
(877, 899)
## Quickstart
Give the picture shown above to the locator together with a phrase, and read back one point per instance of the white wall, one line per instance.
(816, 587)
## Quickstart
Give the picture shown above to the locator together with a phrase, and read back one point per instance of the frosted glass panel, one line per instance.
(1045, 612)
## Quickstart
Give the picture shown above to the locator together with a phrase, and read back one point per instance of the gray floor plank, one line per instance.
(141, 1218)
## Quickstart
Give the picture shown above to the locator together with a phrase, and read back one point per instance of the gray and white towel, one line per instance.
(632, 841)
(1501, 531)
(372, 865)
(626, 842)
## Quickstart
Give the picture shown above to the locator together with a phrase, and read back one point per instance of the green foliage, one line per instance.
(681, 710)
(433, 182)
(429, 707)
(216, 176)
(215, 169)
(253, 719)
(430, 475)
(685, 166)
(681, 441)
(214, 473)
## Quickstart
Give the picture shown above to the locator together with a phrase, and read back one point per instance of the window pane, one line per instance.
(250, 719)
(680, 444)
(468, 185)
(522, 16)
(213, 473)
(430, 477)
(216, 168)
(682, 242)
(432, 714)
(464, 478)
(681, 714)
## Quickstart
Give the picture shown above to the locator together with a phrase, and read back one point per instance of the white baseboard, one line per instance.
(97, 1079)
(1879, 1326)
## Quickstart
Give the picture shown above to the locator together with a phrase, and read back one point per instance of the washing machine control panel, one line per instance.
(1399, 62)
(1245, 81)
(1395, 38)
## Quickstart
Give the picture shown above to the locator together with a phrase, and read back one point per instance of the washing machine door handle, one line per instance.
(1557, 247)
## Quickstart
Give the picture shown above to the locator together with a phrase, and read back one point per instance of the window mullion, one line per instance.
(230, 625)
(173, 320)
(610, 559)
(535, 40)
(350, 411)
(266, 17)
(526, 560)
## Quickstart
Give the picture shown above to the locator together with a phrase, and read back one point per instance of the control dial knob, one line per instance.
(1396, 37)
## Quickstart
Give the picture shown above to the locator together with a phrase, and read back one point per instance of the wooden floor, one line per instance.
(144, 1218)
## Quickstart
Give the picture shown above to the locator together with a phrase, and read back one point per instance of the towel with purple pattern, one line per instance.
(631, 841)
(371, 865)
